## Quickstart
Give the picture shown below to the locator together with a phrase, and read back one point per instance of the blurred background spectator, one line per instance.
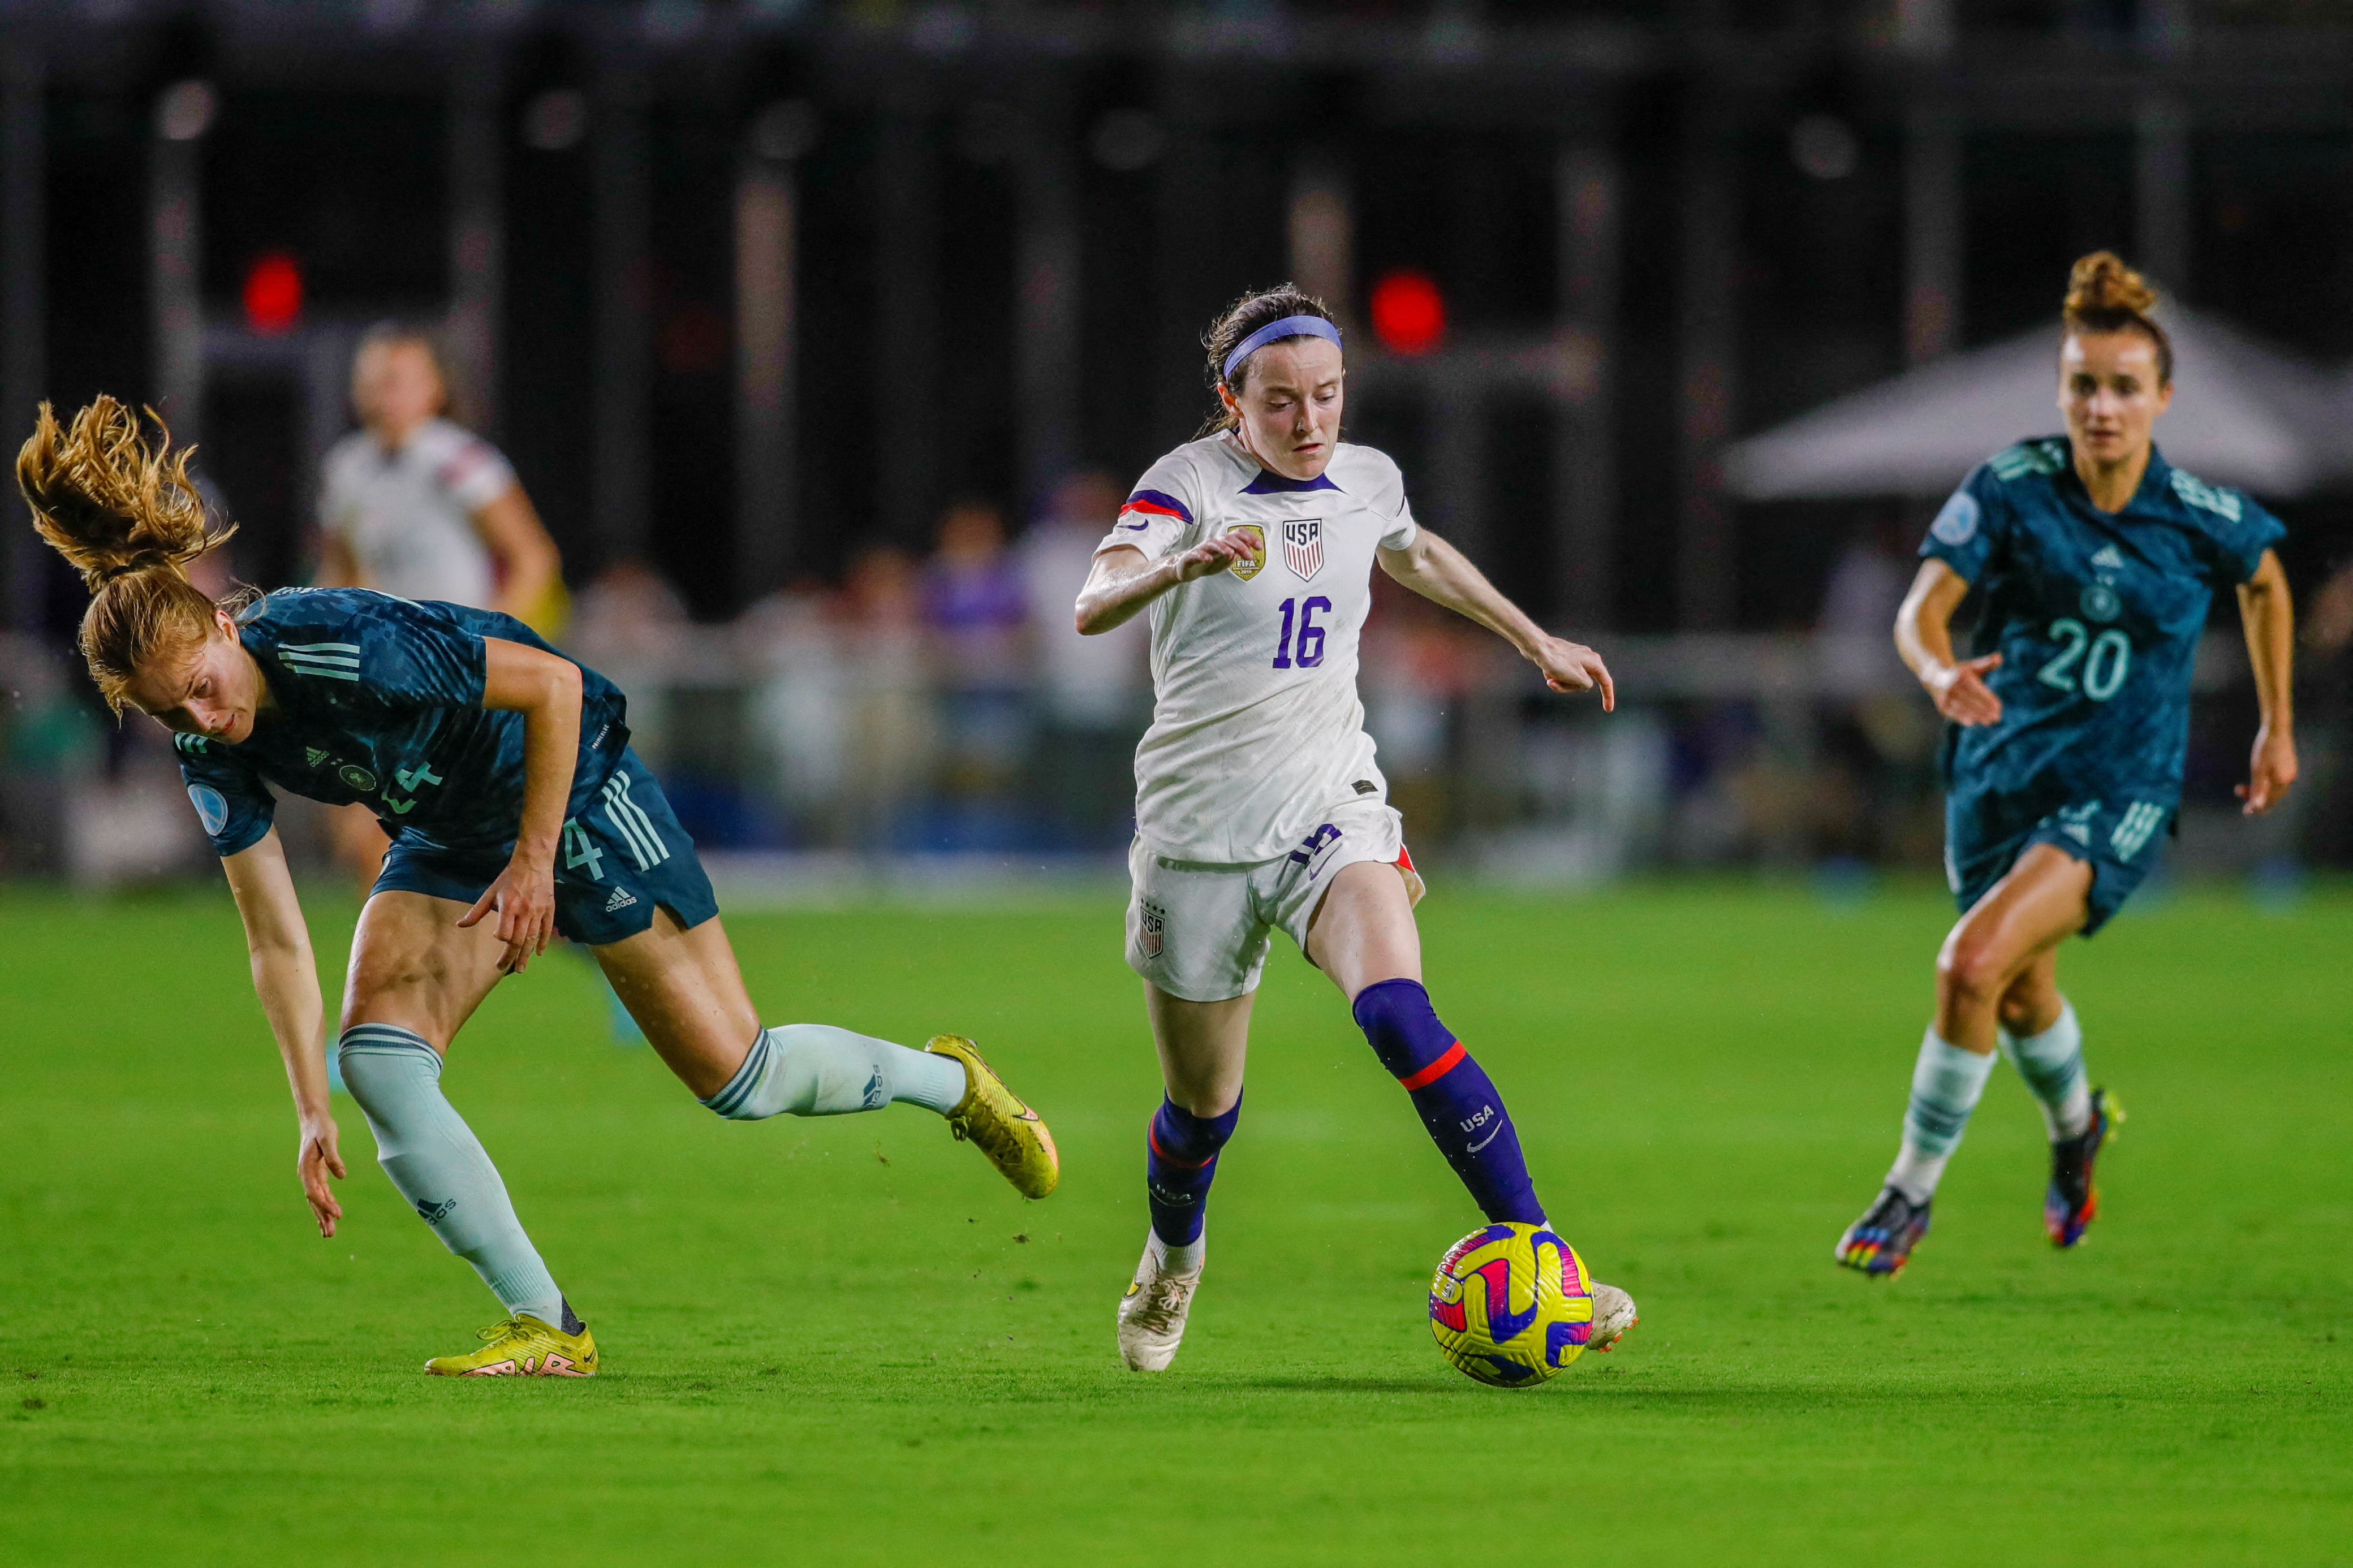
(1092, 693)
(790, 317)
(412, 504)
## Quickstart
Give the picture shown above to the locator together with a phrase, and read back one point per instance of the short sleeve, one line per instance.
(1969, 526)
(2241, 541)
(232, 803)
(1158, 511)
(474, 474)
(1388, 503)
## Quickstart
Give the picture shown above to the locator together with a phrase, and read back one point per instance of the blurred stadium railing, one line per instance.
(804, 748)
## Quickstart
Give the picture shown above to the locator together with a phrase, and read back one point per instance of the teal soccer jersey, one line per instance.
(2097, 619)
(379, 700)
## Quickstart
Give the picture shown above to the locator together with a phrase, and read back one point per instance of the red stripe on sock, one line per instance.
(1153, 1142)
(1435, 1070)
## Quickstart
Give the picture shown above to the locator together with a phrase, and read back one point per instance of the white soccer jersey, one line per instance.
(407, 516)
(1256, 726)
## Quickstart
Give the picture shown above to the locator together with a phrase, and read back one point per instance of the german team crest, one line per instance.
(1256, 536)
(1302, 547)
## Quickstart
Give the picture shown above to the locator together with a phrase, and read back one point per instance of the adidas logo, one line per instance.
(2109, 557)
(313, 755)
(432, 1214)
(621, 900)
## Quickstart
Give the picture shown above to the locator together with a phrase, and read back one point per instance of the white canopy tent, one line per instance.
(2243, 414)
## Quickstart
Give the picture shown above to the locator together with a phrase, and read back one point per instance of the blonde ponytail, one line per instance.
(125, 514)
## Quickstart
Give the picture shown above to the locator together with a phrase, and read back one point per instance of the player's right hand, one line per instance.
(315, 1161)
(1212, 555)
(1960, 693)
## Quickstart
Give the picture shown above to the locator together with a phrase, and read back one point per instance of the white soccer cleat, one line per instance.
(1152, 1313)
(1613, 1314)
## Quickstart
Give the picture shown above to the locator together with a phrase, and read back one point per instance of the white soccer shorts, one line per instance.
(1201, 931)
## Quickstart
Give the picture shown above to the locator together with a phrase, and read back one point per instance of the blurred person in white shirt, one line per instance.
(414, 505)
(1091, 690)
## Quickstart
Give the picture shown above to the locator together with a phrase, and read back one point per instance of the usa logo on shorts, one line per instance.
(1302, 546)
(1151, 925)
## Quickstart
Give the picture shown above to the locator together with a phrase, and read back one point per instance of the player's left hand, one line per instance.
(314, 1161)
(524, 897)
(2269, 774)
(1571, 666)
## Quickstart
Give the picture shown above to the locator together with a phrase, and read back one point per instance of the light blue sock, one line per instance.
(1947, 1082)
(816, 1069)
(439, 1165)
(2051, 1063)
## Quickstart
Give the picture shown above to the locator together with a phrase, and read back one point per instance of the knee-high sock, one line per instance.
(816, 1069)
(1947, 1082)
(1457, 1099)
(1180, 1160)
(2051, 1063)
(439, 1165)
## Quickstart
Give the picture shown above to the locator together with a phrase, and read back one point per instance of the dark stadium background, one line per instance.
(1010, 221)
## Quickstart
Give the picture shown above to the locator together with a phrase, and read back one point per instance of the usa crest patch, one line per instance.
(1151, 928)
(1302, 547)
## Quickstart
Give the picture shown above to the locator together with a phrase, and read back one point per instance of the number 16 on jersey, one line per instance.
(1309, 648)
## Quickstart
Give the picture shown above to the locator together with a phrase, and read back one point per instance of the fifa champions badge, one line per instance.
(1256, 538)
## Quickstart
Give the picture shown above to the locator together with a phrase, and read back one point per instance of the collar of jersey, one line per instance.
(2156, 484)
(1269, 483)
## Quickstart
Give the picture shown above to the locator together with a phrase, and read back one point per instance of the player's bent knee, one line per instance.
(1973, 971)
(2023, 1006)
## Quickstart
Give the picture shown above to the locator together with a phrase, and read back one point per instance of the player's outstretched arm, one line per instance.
(545, 690)
(287, 980)
(1122, 582)
(1924, 636)
(1444, 575)
(2268, 616)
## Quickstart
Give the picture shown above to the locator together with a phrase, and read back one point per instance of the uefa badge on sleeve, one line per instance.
(1302, 547)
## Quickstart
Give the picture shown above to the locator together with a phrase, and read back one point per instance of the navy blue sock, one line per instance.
(1456, 1098)
(1180, 1162)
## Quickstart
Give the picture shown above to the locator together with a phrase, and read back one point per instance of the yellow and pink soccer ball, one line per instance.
(1511, 1305)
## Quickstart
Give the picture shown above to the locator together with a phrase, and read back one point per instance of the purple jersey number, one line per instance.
(1310, 648)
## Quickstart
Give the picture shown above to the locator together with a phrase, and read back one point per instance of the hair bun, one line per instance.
(2101, 285)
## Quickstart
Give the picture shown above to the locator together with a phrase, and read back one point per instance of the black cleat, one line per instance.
(2072, 1202)
(1881, 1242)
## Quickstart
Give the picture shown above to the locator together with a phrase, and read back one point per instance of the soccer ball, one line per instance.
(1511, 1305)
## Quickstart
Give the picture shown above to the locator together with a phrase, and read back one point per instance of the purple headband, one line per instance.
(1289, 327)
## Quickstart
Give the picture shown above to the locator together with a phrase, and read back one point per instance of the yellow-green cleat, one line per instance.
(523, 1347)
(996, 1122)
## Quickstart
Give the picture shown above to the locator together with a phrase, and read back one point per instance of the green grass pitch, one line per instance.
(849, 1342)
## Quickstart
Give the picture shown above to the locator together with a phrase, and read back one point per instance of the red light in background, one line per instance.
(1409, 316)
(273, 293)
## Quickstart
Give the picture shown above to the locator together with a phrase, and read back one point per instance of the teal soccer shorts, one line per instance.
(620, 860)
